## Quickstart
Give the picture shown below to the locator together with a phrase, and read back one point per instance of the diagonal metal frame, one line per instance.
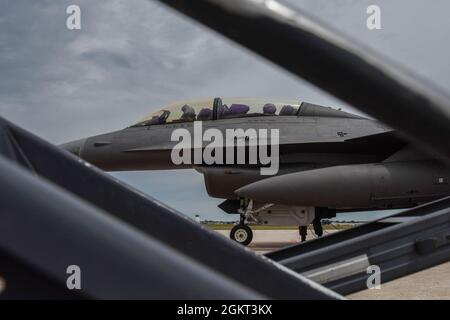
(47, 229)
(399, 245)
(56, 203)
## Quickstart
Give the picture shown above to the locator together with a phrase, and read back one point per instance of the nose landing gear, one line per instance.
(242, 234)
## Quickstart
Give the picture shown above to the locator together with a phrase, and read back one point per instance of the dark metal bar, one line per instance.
(325, 58)
(344, 235)
(22, 282)
(402, 244)
(49, 229)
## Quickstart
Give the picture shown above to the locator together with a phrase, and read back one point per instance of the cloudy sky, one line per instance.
(132, 56)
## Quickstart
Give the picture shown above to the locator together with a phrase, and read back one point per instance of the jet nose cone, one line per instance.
(74, 147)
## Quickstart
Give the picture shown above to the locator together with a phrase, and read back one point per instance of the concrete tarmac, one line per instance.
(433, 283)
(269, 240)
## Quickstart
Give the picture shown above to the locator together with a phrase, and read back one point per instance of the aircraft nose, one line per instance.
(74, 147)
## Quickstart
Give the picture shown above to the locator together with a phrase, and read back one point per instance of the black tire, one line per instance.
(318, 230)
(303, 230)
(242, 234)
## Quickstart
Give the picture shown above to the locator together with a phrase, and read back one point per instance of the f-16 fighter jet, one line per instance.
(276, 162)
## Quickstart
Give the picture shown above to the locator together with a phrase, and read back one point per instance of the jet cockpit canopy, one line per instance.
(215, 109)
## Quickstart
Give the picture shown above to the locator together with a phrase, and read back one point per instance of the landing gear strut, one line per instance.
(318, 230)
(303, 232)
(242, 233)
(317, 224)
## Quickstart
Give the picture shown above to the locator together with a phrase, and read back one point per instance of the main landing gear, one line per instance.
(318, 230)
(317, 225)
(303, 232)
